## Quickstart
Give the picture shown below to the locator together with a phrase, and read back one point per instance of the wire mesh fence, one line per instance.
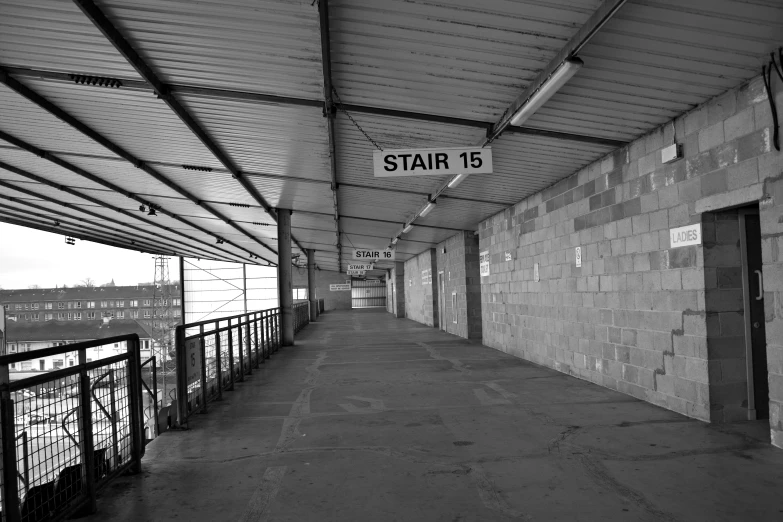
(67, 432)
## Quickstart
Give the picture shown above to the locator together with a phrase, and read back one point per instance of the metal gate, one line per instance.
(370, 293)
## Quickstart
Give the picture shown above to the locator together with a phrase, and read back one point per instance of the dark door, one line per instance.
(758, 335)
(441, 302)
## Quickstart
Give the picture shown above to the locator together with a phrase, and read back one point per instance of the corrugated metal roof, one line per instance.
(271, 47)
(652, 61)
(657, 59)
(461, 58)
(56, 36)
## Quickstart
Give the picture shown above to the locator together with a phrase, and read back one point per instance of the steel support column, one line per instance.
(311, 285)
(284, 275)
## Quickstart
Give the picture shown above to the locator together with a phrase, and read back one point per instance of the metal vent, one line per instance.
(242, 205)
(196, 167)
(100, 81)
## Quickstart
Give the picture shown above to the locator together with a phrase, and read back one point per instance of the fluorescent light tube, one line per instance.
(394, 241)
(456, 180)
(552, 84)
(427, 209)
(407, 228)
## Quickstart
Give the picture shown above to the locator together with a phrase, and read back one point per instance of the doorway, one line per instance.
(755, 330)
(441, 301)
(734, 299)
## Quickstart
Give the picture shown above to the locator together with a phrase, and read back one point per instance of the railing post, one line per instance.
(182, 377)
(155, 394)
(218, 363)
(113, 411)
(278, 333)
(10, 504)
(87, 444)
(240, 351)
(230, 355)
(247, 344)
(259, 356)
(134, 393)
(264, 336)
(203, 370)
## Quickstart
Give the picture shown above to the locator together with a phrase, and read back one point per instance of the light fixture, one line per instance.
(427, 209)
(219, 241)
(56, 223)
(394, 241)
(151, 212)
(547, 89)
(456, 180)
(407, 228)
(70, 241)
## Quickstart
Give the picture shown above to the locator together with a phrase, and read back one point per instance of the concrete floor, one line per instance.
(372, 418)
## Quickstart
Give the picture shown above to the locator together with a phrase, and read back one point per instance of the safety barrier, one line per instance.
(301, 313)
(67, 432)
(213, 355)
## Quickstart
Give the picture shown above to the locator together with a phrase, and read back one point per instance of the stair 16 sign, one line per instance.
(432, 162)
(362, 254)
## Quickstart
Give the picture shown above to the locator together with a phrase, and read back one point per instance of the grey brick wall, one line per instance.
(340, 300)
(460, 267)
(421, 299)
(634, 317)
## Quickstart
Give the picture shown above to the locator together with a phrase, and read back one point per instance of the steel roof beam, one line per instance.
(99, 203)
(380, 111)
(56, 111)
(329, 113)
(60, 215)
(76, 235)
(163, 92)
(64, 222)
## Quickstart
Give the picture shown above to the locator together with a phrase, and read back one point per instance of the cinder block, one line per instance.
(740, 124)
(693, 278)
(711, 136)
(696, 370)
(671, 280)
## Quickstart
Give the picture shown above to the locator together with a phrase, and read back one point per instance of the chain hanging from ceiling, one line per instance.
(340, 106)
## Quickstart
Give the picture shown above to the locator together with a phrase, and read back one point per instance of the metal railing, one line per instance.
(67, 432)
(213, 355)
(301, 313)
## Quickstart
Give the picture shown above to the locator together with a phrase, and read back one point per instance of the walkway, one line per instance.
(372, 418)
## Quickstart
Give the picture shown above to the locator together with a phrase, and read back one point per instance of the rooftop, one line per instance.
(73, 330)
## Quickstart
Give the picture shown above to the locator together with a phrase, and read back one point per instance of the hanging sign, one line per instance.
(355, 272)
(484, 263)
(339, 287)
(360, 266)
(685, 236)
(366, 255)
(432, 162)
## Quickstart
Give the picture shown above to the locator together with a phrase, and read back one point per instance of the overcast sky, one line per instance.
(31, 257)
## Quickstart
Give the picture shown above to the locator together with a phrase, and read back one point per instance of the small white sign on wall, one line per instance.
(484, 263)
(536, 274)
(685, 236)
(578, 257)
(508, 256)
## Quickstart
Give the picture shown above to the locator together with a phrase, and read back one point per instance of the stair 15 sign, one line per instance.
(432, 162)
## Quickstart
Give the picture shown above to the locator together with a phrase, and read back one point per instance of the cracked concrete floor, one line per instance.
(372, 418)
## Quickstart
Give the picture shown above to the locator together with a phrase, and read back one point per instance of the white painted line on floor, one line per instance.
(257, 509)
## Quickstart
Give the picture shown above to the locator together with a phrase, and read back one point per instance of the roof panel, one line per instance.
(56, 36)
(272, 48)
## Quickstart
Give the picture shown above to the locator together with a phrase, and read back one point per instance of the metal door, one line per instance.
(757, 354)
(370, 293)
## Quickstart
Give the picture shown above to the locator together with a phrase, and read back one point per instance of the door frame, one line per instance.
(751, 391)
(441, 301)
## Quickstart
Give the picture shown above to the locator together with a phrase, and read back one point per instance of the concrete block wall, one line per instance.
(421, 299)
(338, 300)
(395, 290)
(633, 317)
(460, 267)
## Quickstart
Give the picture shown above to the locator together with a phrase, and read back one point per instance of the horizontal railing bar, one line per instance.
(65, 372)
(57, 350)
(208, 321)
